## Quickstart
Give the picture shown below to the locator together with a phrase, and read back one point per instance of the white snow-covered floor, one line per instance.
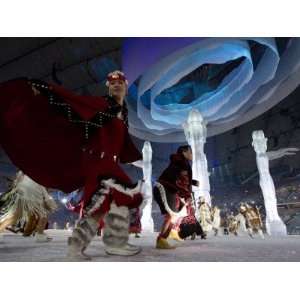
(223, 248)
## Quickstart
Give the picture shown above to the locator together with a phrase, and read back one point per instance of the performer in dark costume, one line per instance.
(189, 226)
(173, 191)
(67, 141)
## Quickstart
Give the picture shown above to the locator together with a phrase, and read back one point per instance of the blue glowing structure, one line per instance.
(162, 91)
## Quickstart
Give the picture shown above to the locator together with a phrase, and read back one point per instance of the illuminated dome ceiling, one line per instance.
(229, 80)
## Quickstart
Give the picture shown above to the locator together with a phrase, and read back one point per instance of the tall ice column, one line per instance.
(274, 224)
(195, 132)
(147, 221)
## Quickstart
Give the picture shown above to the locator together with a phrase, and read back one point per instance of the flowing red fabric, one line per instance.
(43, 143)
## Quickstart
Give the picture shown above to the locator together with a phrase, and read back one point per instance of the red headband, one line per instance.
(116, 75)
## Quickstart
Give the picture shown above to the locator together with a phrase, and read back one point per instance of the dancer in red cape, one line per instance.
(67, 141)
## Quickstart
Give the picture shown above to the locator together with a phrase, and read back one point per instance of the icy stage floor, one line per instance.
(223, 248)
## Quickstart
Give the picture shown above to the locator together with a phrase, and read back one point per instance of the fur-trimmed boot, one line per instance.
(81, 237)
(115, 233)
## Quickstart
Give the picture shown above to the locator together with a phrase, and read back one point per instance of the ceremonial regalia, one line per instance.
(173, 193)
(63, 140)
(67, 141)
(26, 204)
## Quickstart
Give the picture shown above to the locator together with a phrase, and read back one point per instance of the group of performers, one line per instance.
(68, 142)
(248, 219)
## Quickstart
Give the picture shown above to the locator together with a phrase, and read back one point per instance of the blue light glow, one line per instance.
(160, 102)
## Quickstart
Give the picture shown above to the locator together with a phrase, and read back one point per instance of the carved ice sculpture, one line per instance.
(281, 153)
(147, 221)
(195, 132)
(274, 224)
(274, 155)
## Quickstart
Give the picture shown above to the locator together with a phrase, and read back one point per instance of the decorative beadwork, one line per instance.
(100, 119)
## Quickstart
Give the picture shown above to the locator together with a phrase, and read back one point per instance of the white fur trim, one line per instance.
(116, 227)
(127, 191)
(115, 238)
(97, 205)
(174, 215)
(29, 198)
(104, 192)
(121, 211)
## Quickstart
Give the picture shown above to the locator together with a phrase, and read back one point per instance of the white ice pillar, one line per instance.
(195, 132)
(274, 224)
(146, 220)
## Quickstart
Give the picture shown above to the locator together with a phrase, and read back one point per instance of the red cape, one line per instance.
(42, 142)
